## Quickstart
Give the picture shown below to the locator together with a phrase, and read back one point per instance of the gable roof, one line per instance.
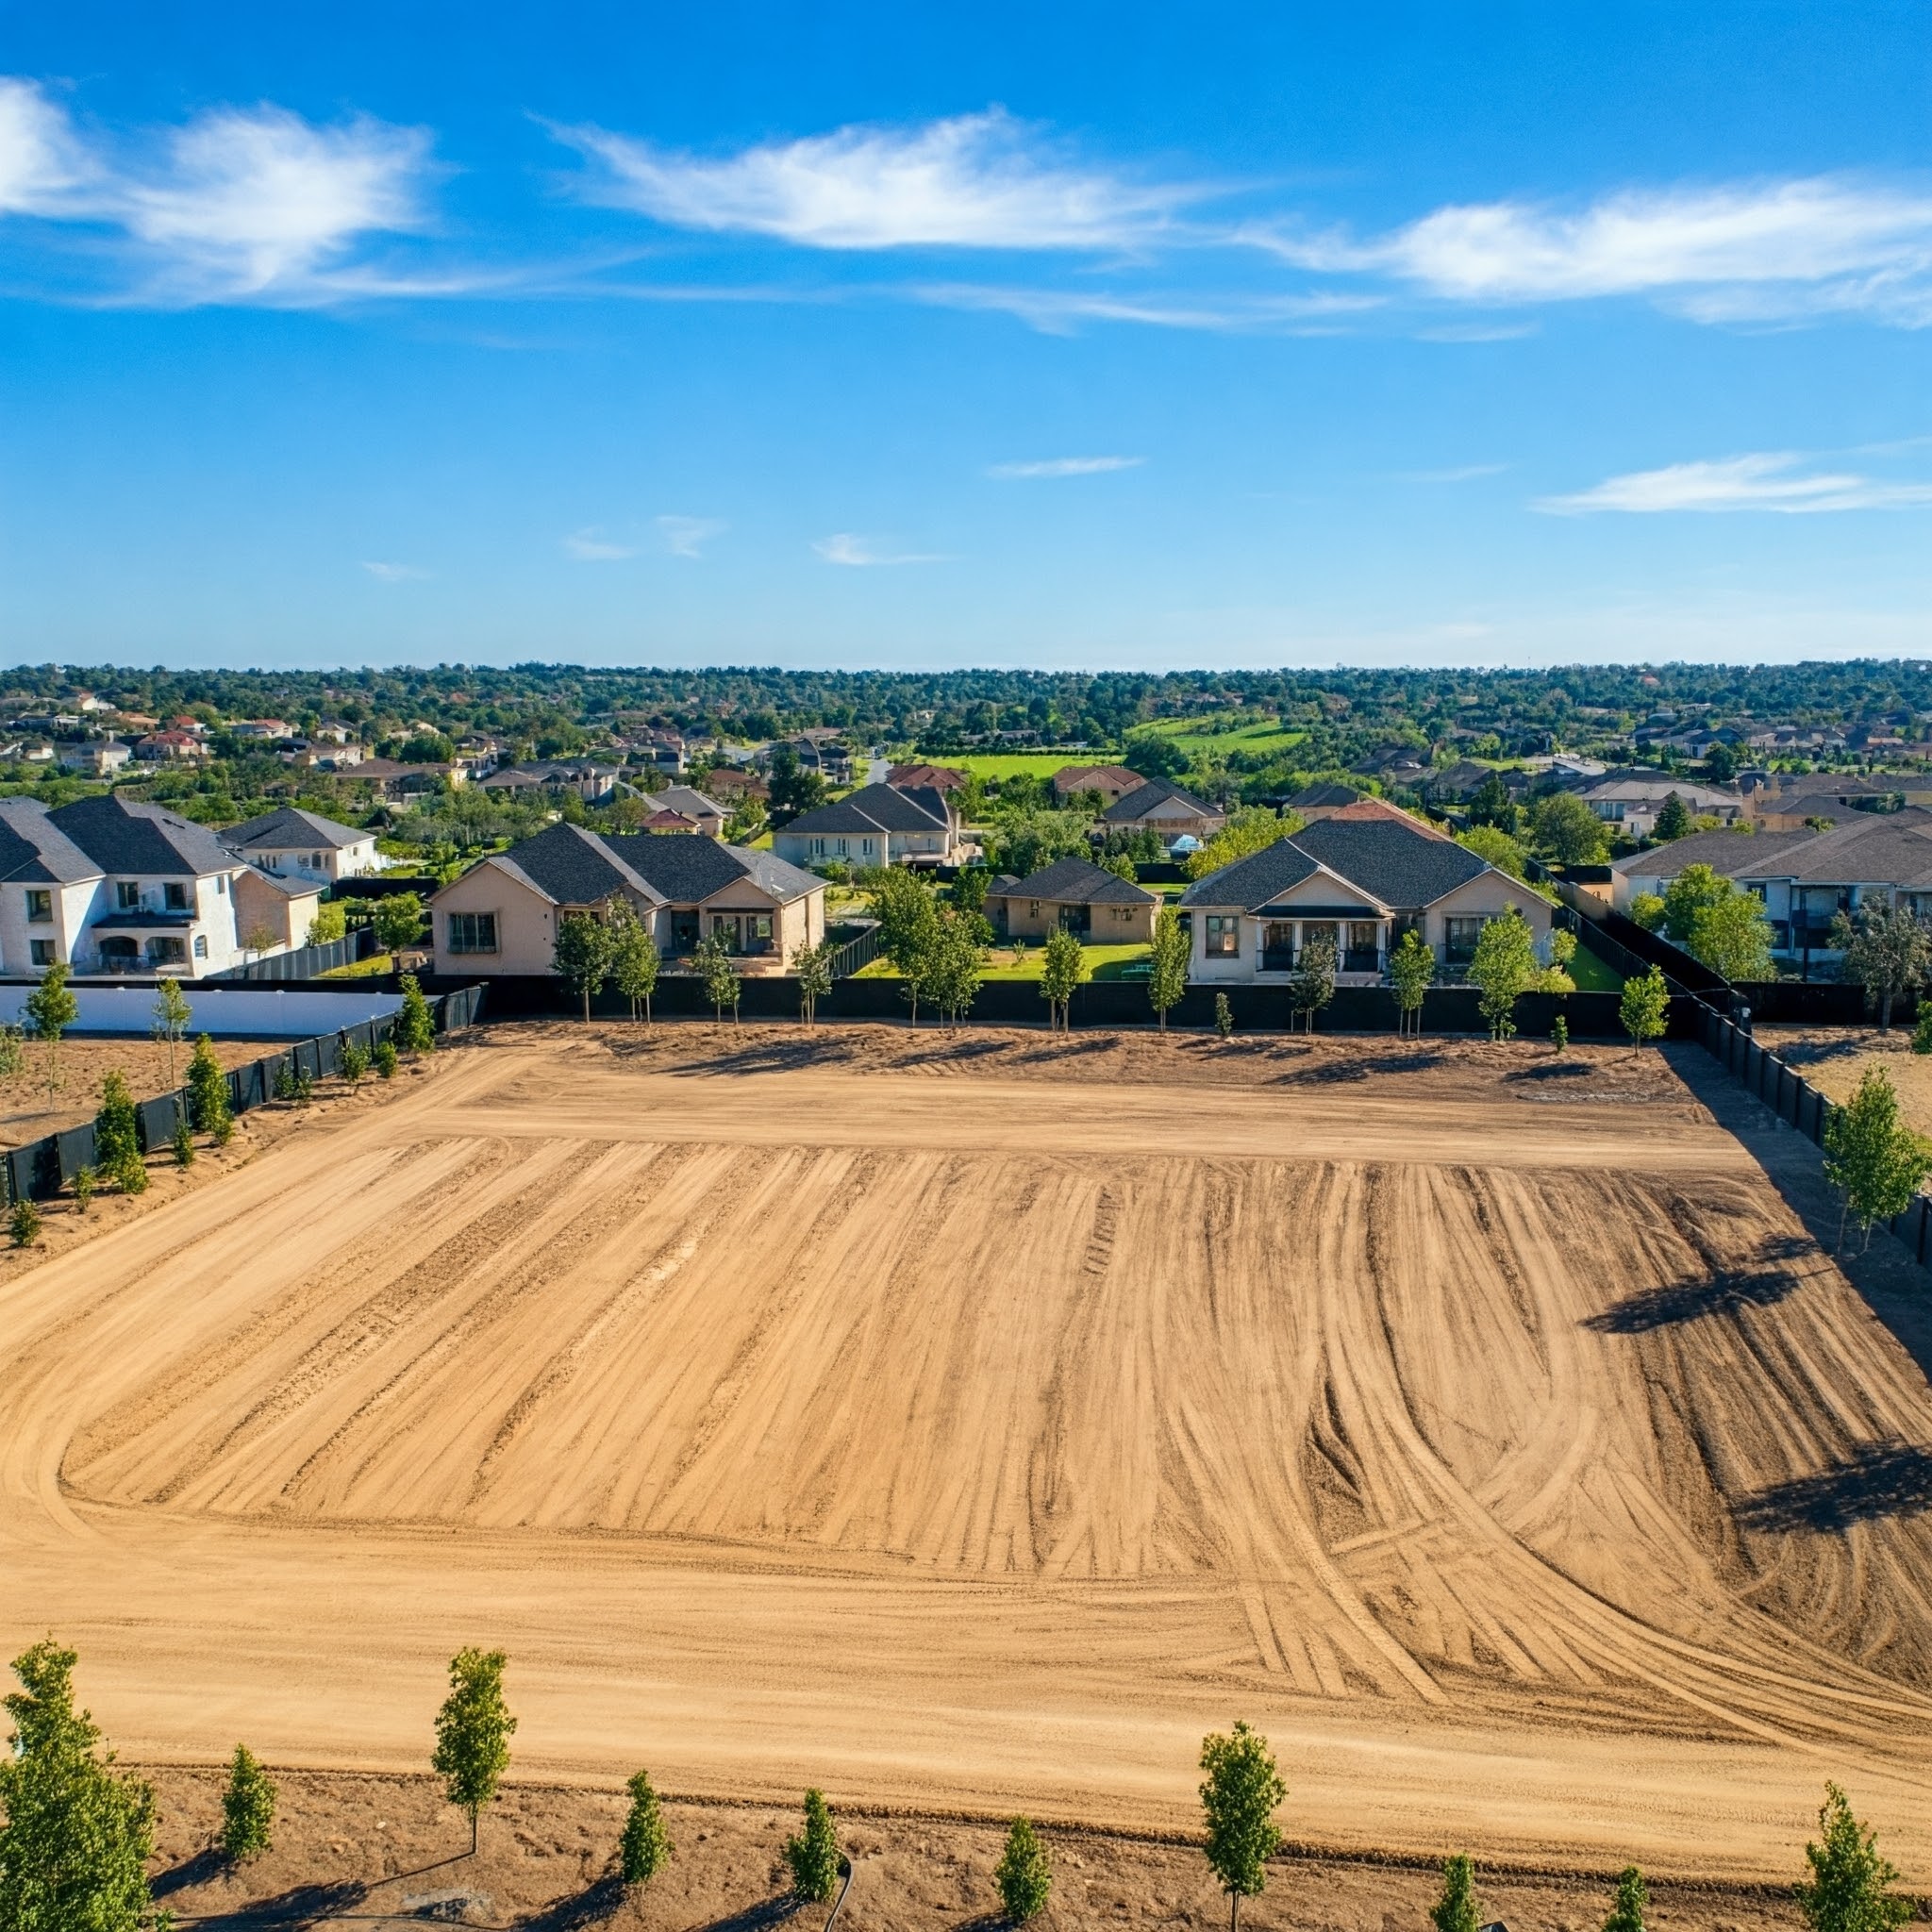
(34, 851)
(688, 801)
(1094, 778)
(878, 808)
(1253, 880)
(290, 825)
(1329, 795)
(122, 835)
(571, 866)
(1736, 855)
(1074, 881)
(1396, 864)
(931, 778)
(1155, 792)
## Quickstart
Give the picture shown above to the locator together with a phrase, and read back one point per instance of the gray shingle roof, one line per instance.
(573, 867)
(290, 825)
(34, 851)
(878, 808)
(1136, 803)
(1254, 880)
(1736, 855)
(1075, 881)
(121, 836)
(1400, 868)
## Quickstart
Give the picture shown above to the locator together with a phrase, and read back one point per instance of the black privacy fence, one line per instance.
(44, 1166)
(305, 963)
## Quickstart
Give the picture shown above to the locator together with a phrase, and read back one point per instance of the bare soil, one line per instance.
(968, 1425)
(360, 1847)
(1834, 1060)
(81, 1064)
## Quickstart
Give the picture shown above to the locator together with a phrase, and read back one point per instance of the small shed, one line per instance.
(1084, 898)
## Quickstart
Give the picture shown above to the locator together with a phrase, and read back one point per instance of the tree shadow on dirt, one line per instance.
(301, 1904)
(198, 1870)
(1882, 1480)
(1722, 1293)
(1333, 1072)
(771, 1057)
(1813, 1052)
(598, 1900)
(769, 1911)
(1069, 1050)
(1552, 1069)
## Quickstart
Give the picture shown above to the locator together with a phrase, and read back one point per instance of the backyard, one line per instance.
(1025, 962)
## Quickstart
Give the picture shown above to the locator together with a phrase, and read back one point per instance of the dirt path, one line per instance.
(1522, 1467)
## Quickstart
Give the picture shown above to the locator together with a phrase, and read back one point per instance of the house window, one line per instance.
(166, 952)
(865, 847)
(1224, 940)
(222, 884)
(40, 906)
(128, 894)
(177, 897)
(818, 848)
(1459, 939)
(1033, 909)
(472, 932)
(201, 945)
(42, 950)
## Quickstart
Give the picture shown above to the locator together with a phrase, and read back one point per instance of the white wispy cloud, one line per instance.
(395, 573)
(1060, 312)
(1765, 480)
(1067, 466)
(592, 546)
(43, 168)
(688, 536)
(861, 553)
(974, 181)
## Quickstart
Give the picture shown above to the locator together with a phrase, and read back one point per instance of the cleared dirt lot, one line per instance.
(1834, 1060)
(978, 1441)
(26, 1111)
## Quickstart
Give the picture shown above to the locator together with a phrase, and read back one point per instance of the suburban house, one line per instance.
(1323, 799)
(169, 747)
(1084, 898)
(877, 825)
(106, 885)
(1629, 802)
(293, 844)
(1154, 805)
(947, 779)
(1806, 878)
(685, 802)
(730, 786)
(398, 782)
(1358, 884)
(1113, 782)
(272, 914)
(501, 916)
(592, 782)
(101, 757)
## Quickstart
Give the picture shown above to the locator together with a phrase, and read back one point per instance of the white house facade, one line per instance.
(290, 843)
(877, 825)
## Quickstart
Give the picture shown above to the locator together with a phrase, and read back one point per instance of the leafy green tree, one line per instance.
(1312, 984)
(398, 921)
(172, 1015)
(1496, 848)
(1563, 828)
(1648, 911)
(1491, 806)
(472, 1732)
(1456, 1910)
(1239, 1795)
(23, 1223)
(813, 966)
(1733, 937)
(583, 953)
(956, 965)
(814, 1855)
(1223, 1017)
(970, 888)
(722, 984)
(1672, 819)
(1024, 1873)
(908, 915)
(415, 1025)
(12, 1051)
(1062, 967)
(1695, 890)
(1630, 1904)
(1850, 1886)
(248, 1808)
(1645, 1009)
(1888, 951)
(633, 959)
(1411, 967)
(1155, 755)
(1121, 866)
(1872, 1157)
(210, 1110)
(645, 1848)
(117, 1137)
(793, 790)
(330, 923)
(1167, 983)
(51, 1010)
(78, 1835)
(1559, 1034)
(1030, 837)
(85, 1181)
(1922, 1032)
(1503, 970)
(353, 1063)
(1252, 828)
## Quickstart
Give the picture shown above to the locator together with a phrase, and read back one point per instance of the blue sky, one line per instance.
(1074, 335)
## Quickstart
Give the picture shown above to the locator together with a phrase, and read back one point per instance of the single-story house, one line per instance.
(877, 825)
(699, 813)
(947, 779)
(1629, 802)
(1156, 805)
(293, 844)
(1073, 892)
(501, 916)
(1113, 782)
(1358, 884)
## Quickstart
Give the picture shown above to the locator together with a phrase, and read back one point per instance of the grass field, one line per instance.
(1103, 962)
(1033, 764)
(1187, 733)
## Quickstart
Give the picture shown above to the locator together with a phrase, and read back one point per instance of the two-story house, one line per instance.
(293, 844)
(877, 825)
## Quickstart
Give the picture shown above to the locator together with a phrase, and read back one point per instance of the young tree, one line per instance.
(472, 1732)
(633, 959)
(712, 958)
(1503, 970)
(84, 1182)
(1062, 967)
(813, 966)
(12, 1051)
(78, 1835)
(1887, 952)
(353, 1063)
(908, 915)
(398, 921)
(1630, 1904)
(1870, 1156)
(117, 1137)
(1559, 1034)
(1223, 1017)
(1313, 985)
(1491, 807)
(248, 1808)
(1850, 1887)
(1645, 1007)
(1456, 1910)
(814, 1855)
(51, 1010)
(1648, 911)
(1921, 1031)
(415, 1025)
(183, 1142)
(584, 950)
(383, 1059)
(172, 1015)
(1496, 848)
(330, 923)
(645, 1847)
(1239, 1796)
(955, 966)
(1563, 828)
(23, 1223)
(1672, 819)
(1024, 1873)
(1412, 967)
(1167, 982)
(210, 1108)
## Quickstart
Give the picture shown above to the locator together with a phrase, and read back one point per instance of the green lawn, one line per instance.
(1591, 974)
(1265, 735)
(1034, 764)
(1103, 962)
